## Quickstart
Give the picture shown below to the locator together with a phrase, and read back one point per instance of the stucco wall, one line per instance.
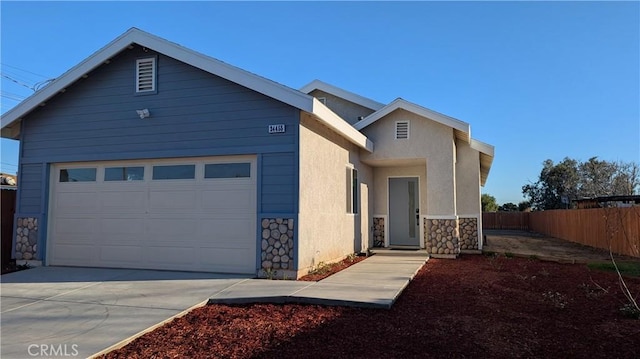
(467, 179)
(326, 232)
(428, 139)
(348, 110)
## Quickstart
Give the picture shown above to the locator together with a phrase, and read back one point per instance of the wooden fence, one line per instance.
(7, 210)
(505, 220)
(597, 227)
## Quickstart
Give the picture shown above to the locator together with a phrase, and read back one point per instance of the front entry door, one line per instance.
(404, 212)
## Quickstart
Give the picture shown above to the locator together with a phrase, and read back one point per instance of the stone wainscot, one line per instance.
(441, 236)
(276, 254)
(27, 238)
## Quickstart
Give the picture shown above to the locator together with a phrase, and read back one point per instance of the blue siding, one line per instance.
(279, 183)
(193, 114)
(31, 189)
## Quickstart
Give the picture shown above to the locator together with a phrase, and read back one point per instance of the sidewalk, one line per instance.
(373, 283)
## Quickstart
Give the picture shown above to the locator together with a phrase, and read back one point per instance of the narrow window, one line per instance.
(227, 170)
(352, 190)
(174, 172)
(402, 130)
(124, 173)
(78, 175)
(146, 75)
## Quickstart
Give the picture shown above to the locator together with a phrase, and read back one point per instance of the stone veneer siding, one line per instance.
(277, 244)
(468, 233)
(27, 238)
(378, 231)
(442, 236)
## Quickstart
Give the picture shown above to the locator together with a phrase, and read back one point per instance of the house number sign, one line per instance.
(280, 128)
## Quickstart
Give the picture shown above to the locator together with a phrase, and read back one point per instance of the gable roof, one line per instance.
(10, 121)
(462, 129)
(344, 94)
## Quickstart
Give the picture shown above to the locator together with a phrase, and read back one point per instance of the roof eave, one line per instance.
(327, 117)
(462, 129)
(347, 95)
(267, 87)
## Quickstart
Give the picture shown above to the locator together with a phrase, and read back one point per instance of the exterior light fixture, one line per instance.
(144, 113)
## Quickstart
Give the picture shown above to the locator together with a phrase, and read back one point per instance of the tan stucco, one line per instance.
(429, 142)
(326, 231)
(348, 110)
(467, 179)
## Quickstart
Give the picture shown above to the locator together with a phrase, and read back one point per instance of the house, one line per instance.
(150, 155)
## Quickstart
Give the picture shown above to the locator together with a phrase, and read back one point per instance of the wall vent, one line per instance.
(146, 75)
(402, 130)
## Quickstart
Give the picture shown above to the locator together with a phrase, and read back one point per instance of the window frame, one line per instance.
(195, 172)
(353, 191)
(67, 169)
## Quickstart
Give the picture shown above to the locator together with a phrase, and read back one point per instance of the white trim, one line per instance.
(344, 94)
(441, 216)
(336, 123)
(386, 238)
(386, 228)
(463, 127)
(482, 147)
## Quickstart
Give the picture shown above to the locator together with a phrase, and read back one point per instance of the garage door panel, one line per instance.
(75, 226)
(236, 200)
(227, 231)
(119, 255)
(77, 202)
(196, 224)
(114, 227)
(73, 254)
(123, 202)
(172, 200)
(225, 259)
(176, 228)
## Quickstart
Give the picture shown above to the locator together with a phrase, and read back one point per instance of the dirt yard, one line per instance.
(476, 306)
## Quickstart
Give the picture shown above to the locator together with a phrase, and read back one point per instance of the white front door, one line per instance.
(194, 214)
(404, 212)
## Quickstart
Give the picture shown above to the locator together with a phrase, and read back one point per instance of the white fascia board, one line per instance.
(486, 158)
(344, 94)
(336, 123)
(232, 73)
(480, 146)
(399, 103)
(254, 82)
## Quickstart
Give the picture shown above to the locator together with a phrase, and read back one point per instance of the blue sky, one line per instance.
(537, 80)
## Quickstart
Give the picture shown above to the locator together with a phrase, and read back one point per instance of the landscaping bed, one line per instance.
(475, 306)
(322, 271)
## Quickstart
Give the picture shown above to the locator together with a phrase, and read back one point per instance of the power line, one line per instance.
(27, 71)
(18, 82)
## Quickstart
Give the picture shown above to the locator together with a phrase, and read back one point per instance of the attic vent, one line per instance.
(402, 130)
(323, 100)
(146, 74)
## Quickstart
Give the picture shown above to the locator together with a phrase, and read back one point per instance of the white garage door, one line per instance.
(194, 214)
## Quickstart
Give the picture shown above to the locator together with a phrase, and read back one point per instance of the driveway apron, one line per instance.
(76, 312)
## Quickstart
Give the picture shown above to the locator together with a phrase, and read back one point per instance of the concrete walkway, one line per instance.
(374, 283)
(78, 312)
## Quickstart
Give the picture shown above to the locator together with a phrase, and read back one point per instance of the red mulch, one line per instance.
(472, 307)
(333, 268)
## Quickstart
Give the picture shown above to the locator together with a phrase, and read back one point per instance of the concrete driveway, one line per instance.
(77, 312)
